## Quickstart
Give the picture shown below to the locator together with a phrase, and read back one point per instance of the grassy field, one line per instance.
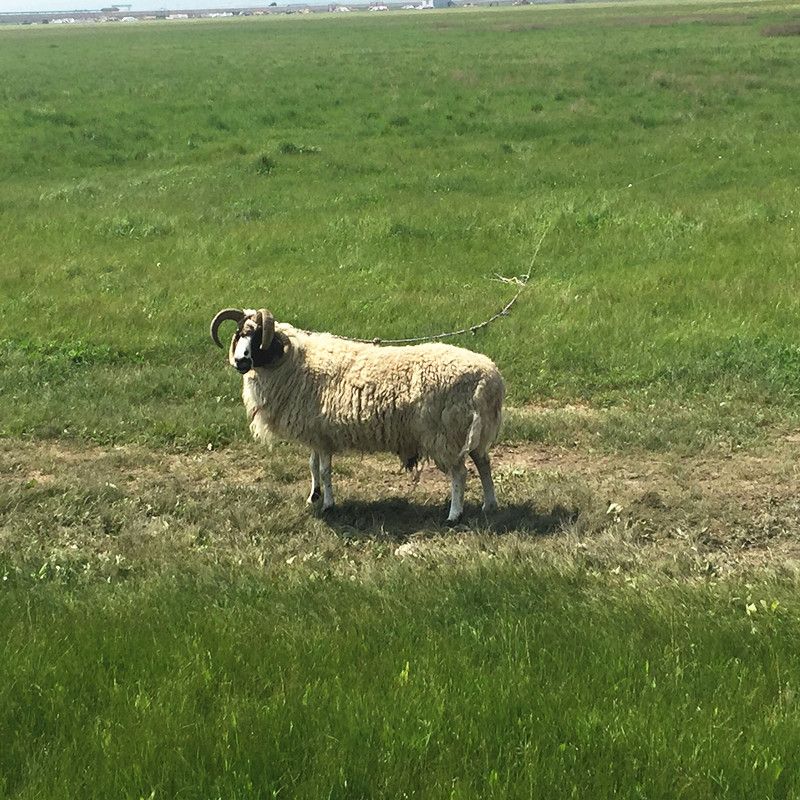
(414, 688)
(176, 623)
(374, 177)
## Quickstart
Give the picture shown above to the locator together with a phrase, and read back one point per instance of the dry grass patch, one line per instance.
(76, 511)
(520, 27)
(785, 29)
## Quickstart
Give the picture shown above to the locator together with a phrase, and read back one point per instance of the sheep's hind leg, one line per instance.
(325, 475)
(458, 482)
(485, 472)
(316, 493)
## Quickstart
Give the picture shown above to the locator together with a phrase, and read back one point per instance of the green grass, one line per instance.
(179, 625)
(373, 177)
(175, 623)
(484, 682)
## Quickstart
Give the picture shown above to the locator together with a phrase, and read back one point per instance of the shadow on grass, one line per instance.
(397, 519)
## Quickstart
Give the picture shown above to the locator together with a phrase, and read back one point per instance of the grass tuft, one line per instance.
(136, 227)
(292, 149)
(265, 164)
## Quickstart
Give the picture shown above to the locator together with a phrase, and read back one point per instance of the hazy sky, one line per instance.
(136, 5)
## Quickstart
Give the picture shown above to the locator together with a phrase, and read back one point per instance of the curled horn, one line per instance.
(267, 322)
(235, 314)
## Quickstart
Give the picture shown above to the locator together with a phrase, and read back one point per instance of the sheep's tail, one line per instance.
(473, 437)
(487, 415)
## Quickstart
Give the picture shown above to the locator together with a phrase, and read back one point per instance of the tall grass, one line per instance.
(482, 682)
(154, 173)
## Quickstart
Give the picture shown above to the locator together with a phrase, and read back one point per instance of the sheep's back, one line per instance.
(413, 401)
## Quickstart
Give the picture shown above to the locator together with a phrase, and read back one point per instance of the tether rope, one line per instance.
(522, 281)
(503, 312)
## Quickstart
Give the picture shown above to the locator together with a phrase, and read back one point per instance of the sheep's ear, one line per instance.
(279, 348)
(285, 344)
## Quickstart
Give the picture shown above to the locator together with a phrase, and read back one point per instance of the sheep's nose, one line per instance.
(243, 364)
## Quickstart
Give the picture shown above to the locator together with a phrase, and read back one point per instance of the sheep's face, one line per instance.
(256, 343)
(247, 345)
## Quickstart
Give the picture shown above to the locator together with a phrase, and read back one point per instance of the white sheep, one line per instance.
(332, 394)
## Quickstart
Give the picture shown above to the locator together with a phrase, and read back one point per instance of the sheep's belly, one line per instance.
(434, 432)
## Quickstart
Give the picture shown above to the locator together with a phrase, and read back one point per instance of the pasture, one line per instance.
(176, 623)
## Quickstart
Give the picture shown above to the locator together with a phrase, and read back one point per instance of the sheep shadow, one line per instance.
(397, 519)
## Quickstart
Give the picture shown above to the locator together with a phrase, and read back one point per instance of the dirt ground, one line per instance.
(70, 504)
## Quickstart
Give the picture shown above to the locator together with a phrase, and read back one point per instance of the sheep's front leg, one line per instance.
(485, 471)
(458, 482)
(325, 475)
(313, 462)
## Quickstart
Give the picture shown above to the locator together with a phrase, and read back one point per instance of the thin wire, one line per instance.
(503, 312)
(506, 309)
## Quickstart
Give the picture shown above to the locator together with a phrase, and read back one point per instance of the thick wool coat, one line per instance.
(431, 401)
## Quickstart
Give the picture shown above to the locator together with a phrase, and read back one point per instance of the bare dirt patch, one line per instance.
(126, 508)
(786, 29)
(520, 27)
(465, 77)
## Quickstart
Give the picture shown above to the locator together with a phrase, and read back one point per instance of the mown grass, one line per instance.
(153, 174)
(479, 682)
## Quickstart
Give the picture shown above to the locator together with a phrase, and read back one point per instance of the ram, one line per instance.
(427, 401)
